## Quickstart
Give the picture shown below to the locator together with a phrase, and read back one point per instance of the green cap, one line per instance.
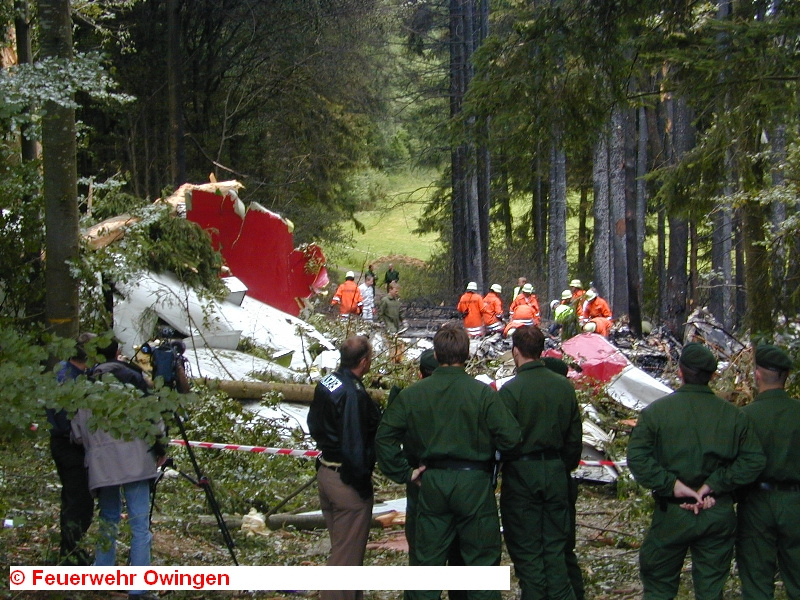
(428, 362)
(556, 365)
(698, 357)
(772, 357)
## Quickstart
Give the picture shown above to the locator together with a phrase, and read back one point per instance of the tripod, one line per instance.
(202, 482)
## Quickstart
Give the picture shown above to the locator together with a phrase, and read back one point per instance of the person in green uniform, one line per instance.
(390, 276)
(692, 449)
(427, 365)
(534, 499)
(769, 511)
(390, 309)
(454, 423)
(570, 558)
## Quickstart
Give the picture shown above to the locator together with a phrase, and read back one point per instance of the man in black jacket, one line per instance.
(343, 420)
(77, 503)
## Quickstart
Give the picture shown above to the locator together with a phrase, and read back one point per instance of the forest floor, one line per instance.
(610, 530)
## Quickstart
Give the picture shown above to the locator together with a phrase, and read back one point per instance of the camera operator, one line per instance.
(117, 466)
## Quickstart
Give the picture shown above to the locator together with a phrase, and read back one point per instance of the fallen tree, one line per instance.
(300, 393)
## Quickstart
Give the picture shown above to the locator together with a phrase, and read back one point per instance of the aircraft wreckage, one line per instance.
(271, 281)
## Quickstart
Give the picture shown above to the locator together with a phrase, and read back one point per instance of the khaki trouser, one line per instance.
(348, 517)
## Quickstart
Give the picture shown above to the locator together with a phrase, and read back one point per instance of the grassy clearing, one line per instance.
(390, 222)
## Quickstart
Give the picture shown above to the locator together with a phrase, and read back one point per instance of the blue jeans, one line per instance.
(137, 497)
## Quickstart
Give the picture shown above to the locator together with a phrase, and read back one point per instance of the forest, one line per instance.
(669, 130)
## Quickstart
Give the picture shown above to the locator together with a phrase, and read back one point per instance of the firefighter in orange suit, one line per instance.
(470, 305)
(527, 296)
(576, 286)
(348, 297)
(596, 315)
(522, 315)
(493, 310)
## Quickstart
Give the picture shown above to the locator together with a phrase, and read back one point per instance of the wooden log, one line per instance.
(308, 521)
(279, 521)
(300, 393)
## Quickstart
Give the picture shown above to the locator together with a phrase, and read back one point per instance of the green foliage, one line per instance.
(54, 80)
(179, 246)
(21, 242)
(157, 242)
(241, 479)
(289, 97)
(29, 387)
(108, 198)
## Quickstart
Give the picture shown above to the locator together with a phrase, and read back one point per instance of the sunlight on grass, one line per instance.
(390, 224)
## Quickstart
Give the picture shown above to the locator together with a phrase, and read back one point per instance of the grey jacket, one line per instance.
(111, 461)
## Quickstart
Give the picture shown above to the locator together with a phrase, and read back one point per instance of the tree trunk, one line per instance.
(632, 246)
(174, 77)
(778, 215)
(475, 254)
(721, 297)
(481, 31)
(641, 194)
(469, 252)
(759, 305)
(557, 229)
(538, 218)
(739, 254)
(721, 300)
(654, 135)
(583, 229)
(693, 273)
(618, 297)
(675, 304)
(60, 181)
(721, 294)
(676, 284)
(661, 262)
(602, 218)
(458, 195)
(29, 149)
(503, 200)
(458, 209)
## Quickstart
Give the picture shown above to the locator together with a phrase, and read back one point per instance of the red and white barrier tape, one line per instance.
(256, 449)
(316, 453)
(604, 463)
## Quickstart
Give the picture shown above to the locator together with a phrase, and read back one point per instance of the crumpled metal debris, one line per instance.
(701, 326)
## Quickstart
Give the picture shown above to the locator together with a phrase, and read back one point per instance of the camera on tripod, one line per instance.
(166, 357)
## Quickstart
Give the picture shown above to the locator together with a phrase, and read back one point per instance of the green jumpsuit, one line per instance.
(390, 313)
(769, 519)
(534, 500)
(697, 437)
(450, 419)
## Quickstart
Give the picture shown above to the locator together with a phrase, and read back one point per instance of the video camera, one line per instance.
(165, 356)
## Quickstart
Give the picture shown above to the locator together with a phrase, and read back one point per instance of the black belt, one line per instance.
(778, 486)
(539, 455)
(459, 465)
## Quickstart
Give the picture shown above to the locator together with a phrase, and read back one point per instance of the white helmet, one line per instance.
(496, 288)
(349, 275)
(590, 327)
(576, 283)
(527, 288)
(590, 295)
(566, 295)
(472, 286)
